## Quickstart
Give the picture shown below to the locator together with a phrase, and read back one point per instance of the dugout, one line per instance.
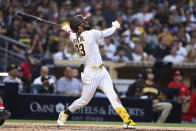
(130, 70)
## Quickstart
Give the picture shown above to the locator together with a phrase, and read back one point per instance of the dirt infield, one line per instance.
(12, 126)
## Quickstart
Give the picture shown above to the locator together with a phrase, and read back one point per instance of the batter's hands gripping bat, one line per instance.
(36, 18)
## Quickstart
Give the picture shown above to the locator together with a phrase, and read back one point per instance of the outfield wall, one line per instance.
(47, 107)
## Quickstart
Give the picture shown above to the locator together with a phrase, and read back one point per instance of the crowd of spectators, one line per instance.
(150, 30)
(44, 83)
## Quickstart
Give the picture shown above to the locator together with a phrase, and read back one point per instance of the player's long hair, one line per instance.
(78, 35)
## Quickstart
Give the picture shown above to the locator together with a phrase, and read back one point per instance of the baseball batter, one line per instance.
(95, 74)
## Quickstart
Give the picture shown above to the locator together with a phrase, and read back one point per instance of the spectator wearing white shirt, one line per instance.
(43, 73)
(138, 54)
(144, 17)
(69, 85)
(12, 78)
(61, 54)
(175, 15)
(173, 56)
(109, 48)
(128, 16)
(120, 57)
(180, 49)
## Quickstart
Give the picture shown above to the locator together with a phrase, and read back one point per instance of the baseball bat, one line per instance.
(36, 18)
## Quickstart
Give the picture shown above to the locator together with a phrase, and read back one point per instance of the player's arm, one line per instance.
(110, 31)
(97, 34)
(68, 30)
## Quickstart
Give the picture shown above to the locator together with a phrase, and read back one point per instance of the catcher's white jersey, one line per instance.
(87, 45)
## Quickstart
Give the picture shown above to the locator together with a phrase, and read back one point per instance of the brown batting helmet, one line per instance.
(75, 22)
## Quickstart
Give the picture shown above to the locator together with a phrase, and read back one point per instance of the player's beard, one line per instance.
(87, 27)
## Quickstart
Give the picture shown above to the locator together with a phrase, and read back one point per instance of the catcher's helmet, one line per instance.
(75, 22)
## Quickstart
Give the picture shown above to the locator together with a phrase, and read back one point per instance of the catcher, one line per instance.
(4, 114)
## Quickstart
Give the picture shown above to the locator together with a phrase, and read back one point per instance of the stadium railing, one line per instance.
(10, 56)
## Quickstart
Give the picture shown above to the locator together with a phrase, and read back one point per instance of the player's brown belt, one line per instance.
(97, 67)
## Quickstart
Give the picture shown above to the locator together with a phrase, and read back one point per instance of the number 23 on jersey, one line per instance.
(79, 45)
(80, 48)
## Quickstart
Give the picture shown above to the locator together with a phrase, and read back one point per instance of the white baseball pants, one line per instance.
(92, 79)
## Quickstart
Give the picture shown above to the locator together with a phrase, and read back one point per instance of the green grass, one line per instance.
(108, 123)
